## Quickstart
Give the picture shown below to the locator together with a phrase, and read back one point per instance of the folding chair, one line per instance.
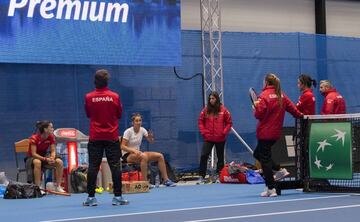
(21, 147)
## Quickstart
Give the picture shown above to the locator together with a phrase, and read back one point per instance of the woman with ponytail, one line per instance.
(270, 110)
(306, 103)
(42, 154)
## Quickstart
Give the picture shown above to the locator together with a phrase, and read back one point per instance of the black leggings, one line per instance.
(263, 154)
(113, 154)
(206, 150)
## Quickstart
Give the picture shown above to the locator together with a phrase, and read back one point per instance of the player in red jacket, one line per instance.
(270, 111)
(104, 109)
(214, 125)
(334, 103)
(306, 103)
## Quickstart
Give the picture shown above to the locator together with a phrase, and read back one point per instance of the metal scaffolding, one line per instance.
(211, 53)
(211, 47)
(212, 56)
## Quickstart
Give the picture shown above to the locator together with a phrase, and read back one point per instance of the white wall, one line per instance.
(343, 17)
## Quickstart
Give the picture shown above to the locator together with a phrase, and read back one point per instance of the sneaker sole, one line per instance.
(120, 204)
(89, 205)
(284, 176)
(268, 195)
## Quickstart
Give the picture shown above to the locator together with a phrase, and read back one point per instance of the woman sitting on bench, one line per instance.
(130, 145)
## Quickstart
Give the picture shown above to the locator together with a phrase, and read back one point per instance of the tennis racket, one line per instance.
(253, 96)
(57, 193)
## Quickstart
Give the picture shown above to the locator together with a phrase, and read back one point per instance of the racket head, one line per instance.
(253, 95)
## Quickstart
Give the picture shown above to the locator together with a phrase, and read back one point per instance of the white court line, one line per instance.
(197, 208)
(276, 213)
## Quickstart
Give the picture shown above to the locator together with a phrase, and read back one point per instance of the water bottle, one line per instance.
(82, 154)
(157, 180)
(2, 190)
(86, 158)
(79, 154)
(64, 158)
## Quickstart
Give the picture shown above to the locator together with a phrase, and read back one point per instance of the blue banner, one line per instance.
(106, 32)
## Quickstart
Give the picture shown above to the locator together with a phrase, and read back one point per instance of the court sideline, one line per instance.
(215, 202)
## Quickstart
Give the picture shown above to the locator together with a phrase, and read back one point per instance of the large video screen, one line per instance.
(109, 32)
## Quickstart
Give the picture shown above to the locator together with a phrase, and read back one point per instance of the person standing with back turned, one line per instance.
(104, 109)
(270, 112)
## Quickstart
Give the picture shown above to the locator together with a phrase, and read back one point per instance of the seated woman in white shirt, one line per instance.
(130, 145)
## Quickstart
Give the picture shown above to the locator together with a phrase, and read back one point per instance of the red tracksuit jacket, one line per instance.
(271, 115)
(104, 109)
(215, 128)
(306, 103)
(334, 103)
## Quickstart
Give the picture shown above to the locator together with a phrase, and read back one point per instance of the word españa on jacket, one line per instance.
(102, 99)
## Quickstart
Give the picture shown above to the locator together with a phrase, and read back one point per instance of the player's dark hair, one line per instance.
(213, 109)
(134, 115)
(102, 77)
(41, 125)
(307, 81)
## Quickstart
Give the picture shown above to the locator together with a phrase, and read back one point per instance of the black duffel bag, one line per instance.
(17, 190)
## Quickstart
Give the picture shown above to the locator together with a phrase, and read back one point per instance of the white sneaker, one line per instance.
(59, 189)
(50, 186)
(265, 193)
(272, 193)
(269, 193)
(281, 174)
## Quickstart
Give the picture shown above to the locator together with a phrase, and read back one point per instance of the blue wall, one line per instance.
(29, 92)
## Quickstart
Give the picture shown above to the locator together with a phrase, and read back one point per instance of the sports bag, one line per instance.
(253, 177)
(17, 190)
(226, 177)
(78, 179)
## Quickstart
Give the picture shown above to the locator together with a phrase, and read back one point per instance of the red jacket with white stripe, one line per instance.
(215, 128)
(104, 109)
(271, 115)
(334, 103)
(306, 103)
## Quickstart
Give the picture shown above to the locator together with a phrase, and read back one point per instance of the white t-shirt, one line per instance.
(134, 139)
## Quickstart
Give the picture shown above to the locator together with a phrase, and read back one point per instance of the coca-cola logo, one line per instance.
(69, 133)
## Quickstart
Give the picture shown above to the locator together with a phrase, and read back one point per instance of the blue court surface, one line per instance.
(213, 202)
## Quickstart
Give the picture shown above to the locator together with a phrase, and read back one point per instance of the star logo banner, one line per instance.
(330, 150)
